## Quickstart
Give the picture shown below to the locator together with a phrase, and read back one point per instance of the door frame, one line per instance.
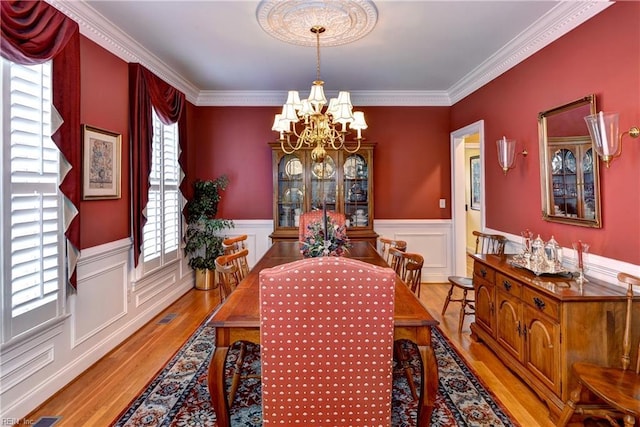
(458, 182)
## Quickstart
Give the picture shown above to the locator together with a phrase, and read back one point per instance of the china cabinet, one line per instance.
(343, 182)
(540, 325)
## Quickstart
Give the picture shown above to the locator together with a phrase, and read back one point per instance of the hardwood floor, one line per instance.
(100, 394)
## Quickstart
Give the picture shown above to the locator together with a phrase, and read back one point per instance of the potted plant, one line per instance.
(203, 236)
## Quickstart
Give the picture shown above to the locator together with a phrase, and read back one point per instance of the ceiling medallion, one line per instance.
(345, 20)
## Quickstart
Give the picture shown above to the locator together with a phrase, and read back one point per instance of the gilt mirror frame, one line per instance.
(569, 165)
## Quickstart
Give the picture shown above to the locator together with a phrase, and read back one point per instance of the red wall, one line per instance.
(232, 141)
(601, 56)
(411, 160)
(104, 104)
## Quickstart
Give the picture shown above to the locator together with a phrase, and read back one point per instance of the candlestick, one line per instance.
(579, 249)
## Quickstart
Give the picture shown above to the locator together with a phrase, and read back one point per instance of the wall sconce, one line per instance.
(507, 153)
(603, 128)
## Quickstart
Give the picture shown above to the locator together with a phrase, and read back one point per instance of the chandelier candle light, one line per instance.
(320, 129)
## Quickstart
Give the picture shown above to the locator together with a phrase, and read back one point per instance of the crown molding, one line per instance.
(102, 32)
(267, 98)
(563, 18)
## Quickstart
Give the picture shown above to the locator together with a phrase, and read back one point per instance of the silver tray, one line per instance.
(520, 262)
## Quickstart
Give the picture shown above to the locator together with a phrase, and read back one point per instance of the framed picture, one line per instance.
(101, 152)
(475, 182)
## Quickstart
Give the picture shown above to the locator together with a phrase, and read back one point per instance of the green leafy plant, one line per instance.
(204, 232)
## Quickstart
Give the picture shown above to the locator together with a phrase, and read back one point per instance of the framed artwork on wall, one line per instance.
(475, 182)
(101, 173)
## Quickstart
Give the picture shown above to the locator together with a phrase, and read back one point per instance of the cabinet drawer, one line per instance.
(508, 285)
(541, 303)
(484, 272)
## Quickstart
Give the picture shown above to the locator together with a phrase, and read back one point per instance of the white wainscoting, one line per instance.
(110, 305)
(258, 232)
(430, 238)
(107, 308)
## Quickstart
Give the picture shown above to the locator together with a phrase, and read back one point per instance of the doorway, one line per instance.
(464, 142)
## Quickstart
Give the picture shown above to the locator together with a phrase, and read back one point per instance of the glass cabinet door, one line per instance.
(324, 183)
(565, 184)
(573, 188)
(589, 195)
(290, 190)
(356, 190)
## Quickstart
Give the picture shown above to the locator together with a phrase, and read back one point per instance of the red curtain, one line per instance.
(34, 32)
(146, 90)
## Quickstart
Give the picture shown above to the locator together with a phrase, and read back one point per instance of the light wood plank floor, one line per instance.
(100, 394)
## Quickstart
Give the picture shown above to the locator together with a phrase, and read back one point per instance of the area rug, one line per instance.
(178, 395)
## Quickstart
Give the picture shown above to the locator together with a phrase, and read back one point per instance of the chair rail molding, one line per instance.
(597, 266)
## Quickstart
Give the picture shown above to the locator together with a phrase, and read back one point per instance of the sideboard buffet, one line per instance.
(540, 325)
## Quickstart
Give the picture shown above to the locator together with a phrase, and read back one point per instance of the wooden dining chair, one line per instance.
(411, 275)
(326, 328)
(310, 217)
(386, 244)
(485, 244)
(616, 388)
(396, 261)
(234, 244)
(231, 269)
(412, 271)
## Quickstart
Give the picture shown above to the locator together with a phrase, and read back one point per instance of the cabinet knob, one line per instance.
(483, 272)
(507, 285)
(539, 303)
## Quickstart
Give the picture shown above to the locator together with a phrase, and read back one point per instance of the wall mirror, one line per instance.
(570, 176)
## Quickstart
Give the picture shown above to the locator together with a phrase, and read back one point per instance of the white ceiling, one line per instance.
(418, 53)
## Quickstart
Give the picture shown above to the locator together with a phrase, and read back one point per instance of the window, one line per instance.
(32, 236)
(161, 232)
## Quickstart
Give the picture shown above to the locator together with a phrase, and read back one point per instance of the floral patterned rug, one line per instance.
(178, 395)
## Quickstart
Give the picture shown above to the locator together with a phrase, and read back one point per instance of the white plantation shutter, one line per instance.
(32, 236)
(171, 184)
(162, 229)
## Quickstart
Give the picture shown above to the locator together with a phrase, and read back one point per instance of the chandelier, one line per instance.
(308, 123)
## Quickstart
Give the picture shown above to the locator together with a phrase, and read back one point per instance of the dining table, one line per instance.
(238, 318)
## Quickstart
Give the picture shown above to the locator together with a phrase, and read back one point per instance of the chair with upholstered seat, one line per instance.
(386, 244)
(231, 269)
(311, 217)
(485, 244)
(616, 388)
(326, 328)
